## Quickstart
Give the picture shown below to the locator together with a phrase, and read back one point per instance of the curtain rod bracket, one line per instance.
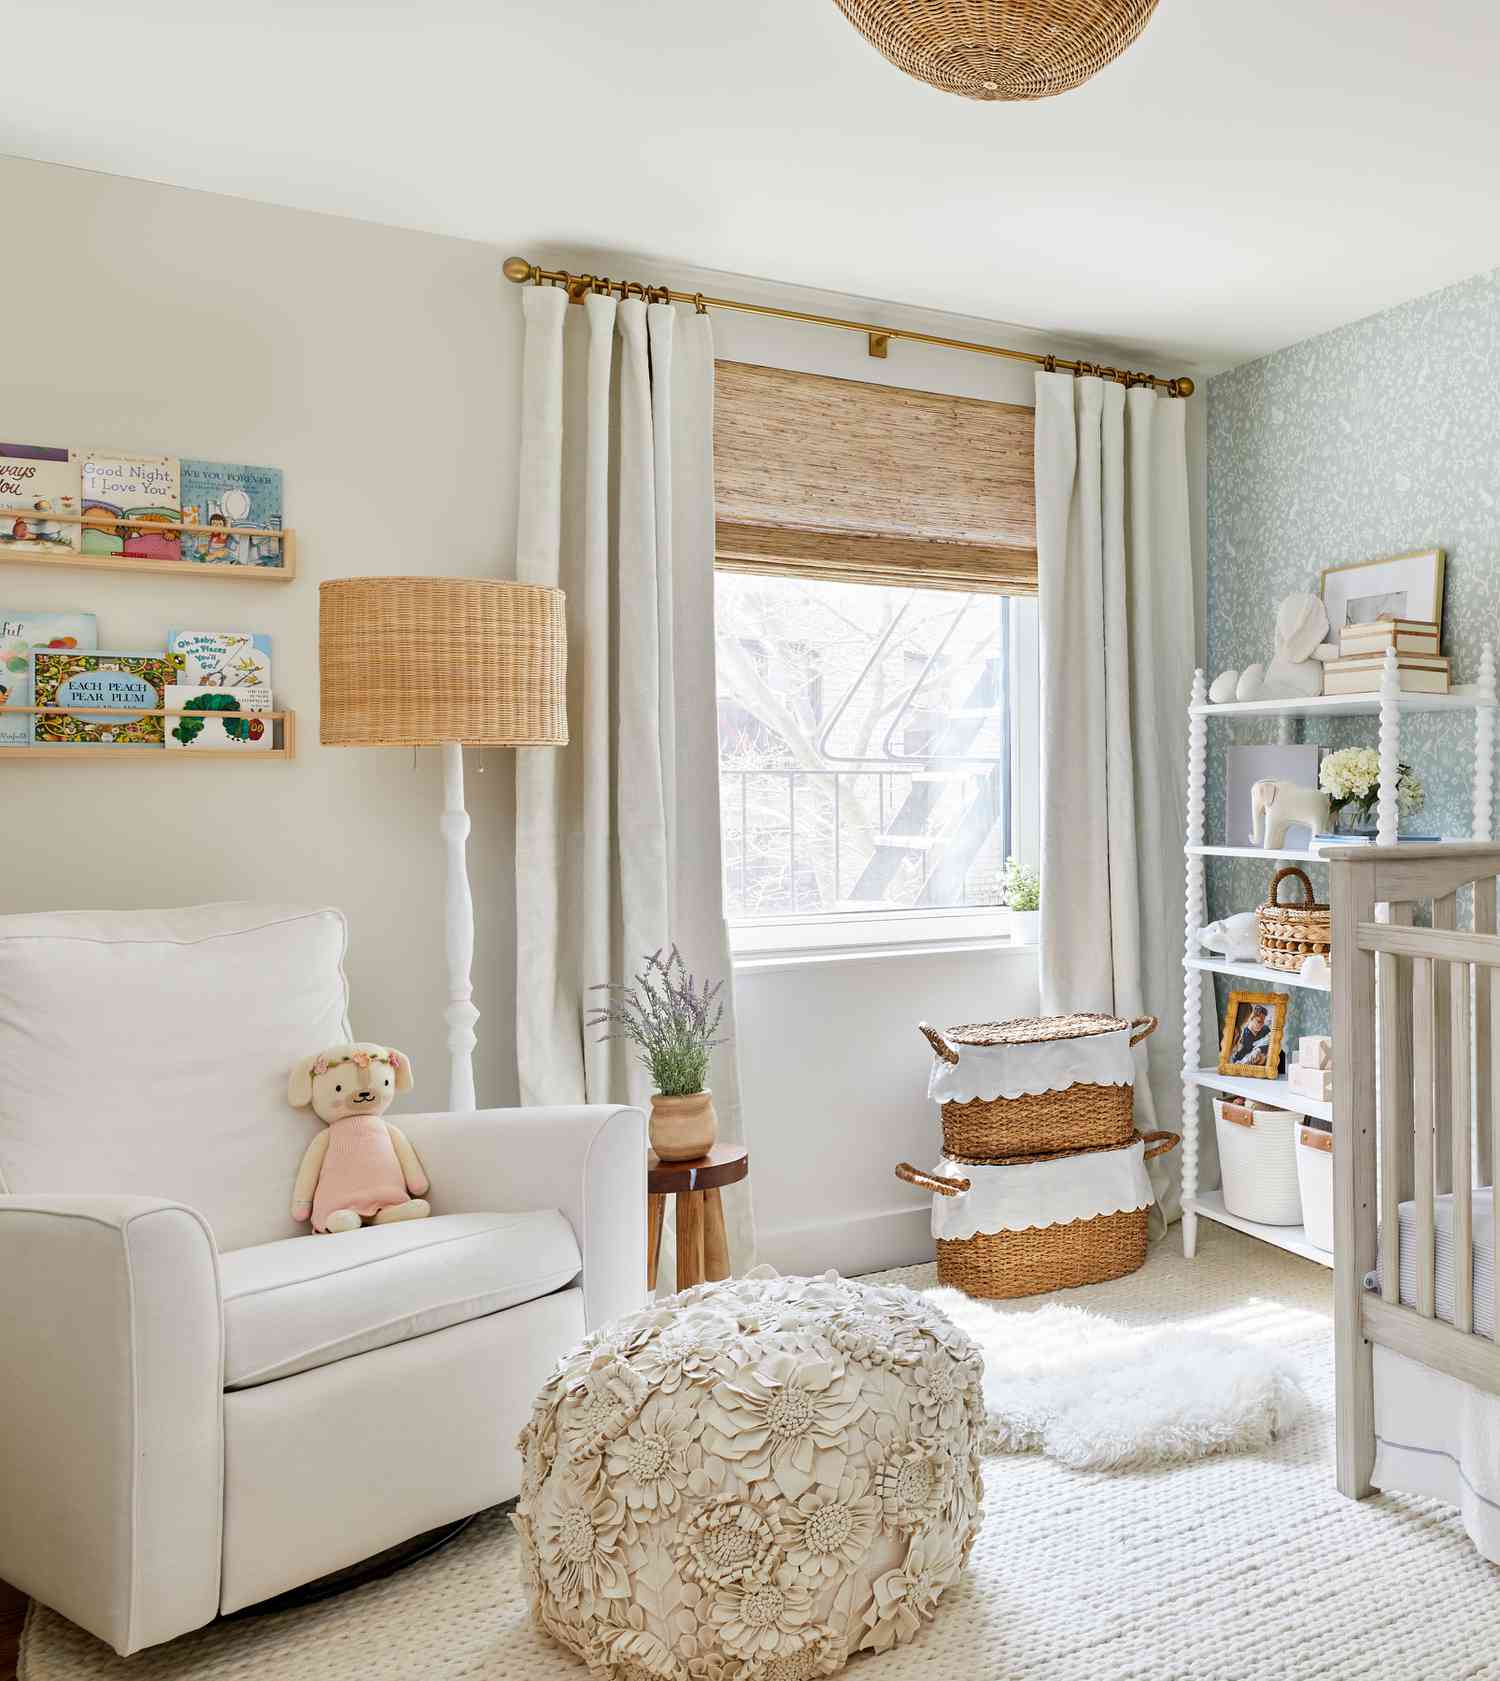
(880, 345)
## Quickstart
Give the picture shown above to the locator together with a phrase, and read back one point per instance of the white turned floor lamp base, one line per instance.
(458, 917)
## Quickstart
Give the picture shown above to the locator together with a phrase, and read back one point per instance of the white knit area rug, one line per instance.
(1239, 1566)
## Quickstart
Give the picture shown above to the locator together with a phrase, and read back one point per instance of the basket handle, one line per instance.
(1173, 1139)
(1147, 1024)
(938, 1042)
(1308, 897)
(931, 1181)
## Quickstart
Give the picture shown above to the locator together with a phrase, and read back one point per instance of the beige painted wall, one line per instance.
(380, 369)
(377, 368)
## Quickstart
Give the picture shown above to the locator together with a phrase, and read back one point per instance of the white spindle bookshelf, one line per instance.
(1387, 706)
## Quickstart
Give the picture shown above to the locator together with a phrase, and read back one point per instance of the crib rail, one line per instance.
(1416, 1112)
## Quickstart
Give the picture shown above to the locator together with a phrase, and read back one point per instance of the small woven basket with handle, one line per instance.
(1291, 933)
(1082, 1117)
(998, 1265)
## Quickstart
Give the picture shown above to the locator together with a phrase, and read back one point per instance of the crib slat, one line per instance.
(1484, 923)
(1463, 1206)
(1444, 915)
(1394, 976)
(1423, 1061)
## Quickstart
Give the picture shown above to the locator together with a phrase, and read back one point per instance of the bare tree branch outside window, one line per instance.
(864, 746)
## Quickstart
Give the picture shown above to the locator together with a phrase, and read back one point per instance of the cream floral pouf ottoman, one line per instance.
(752, 1481)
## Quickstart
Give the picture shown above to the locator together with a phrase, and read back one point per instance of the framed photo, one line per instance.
(1406, 586)
(1253, 1027)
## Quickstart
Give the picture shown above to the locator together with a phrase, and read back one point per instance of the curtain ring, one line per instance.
(699, 307)
(1049, 364)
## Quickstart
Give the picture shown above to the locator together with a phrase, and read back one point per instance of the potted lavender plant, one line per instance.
(673, 1020)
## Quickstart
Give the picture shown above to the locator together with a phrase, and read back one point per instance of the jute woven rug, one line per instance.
(1222, 1570)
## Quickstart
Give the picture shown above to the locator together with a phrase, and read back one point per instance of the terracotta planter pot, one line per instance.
(683, 1128)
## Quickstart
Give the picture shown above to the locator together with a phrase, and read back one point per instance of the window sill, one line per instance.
(796, 941)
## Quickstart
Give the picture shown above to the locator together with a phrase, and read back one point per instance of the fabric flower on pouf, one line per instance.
(727, 1540)
(820, 1659)
(913, 1482)
(939, 1398)
(599, 1407)
(641, 1656)
(649, 1464)
(763, 1616)
(828, 1530)
(785, 1418)
(904, 1597)
(578, 1540)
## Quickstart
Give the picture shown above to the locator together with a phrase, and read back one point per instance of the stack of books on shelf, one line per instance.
(213, 683)
(1420, 666)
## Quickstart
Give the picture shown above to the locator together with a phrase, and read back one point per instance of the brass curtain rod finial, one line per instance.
(516, 269)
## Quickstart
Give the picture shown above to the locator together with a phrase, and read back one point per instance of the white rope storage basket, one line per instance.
(1257, 1158)
(1315, 1182)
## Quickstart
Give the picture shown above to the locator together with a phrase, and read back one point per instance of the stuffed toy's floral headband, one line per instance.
(361, 1060)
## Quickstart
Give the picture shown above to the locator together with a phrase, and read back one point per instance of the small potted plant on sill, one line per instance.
(673, 1020)
(1023, 893)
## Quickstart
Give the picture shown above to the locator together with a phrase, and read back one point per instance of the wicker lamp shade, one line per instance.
(414, 662)
(1000, 49)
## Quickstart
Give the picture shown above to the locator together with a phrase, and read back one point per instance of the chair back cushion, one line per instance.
(148, 1052)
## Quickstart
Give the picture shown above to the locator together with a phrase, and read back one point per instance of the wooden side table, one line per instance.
(702, 1247)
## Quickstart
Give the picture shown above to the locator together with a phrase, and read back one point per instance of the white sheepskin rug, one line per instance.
(1097, 1395)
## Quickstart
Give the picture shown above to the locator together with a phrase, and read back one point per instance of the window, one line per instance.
(877, 671)
(868, 767)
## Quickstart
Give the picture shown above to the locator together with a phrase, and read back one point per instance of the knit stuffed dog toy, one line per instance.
(359, 1167)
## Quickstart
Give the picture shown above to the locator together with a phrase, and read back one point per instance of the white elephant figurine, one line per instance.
(1274, 806)
(1235, 937)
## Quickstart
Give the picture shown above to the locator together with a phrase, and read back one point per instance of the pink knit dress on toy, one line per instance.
(360, 1170)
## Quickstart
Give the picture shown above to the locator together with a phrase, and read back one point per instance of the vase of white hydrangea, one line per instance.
(1351, 779)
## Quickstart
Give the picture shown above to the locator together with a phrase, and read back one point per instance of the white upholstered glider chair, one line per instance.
(202, 1406)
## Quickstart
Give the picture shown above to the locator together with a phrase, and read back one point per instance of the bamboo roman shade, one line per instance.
(835, 478)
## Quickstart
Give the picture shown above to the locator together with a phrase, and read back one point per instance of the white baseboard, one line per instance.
(893, 1237)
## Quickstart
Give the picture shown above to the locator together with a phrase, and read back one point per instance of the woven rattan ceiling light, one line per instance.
(1000, 49)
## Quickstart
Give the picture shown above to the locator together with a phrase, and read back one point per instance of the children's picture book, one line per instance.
(220, 718)
(221, 659)
(36, 482)
(139, 489)
(224, 494)
(20, 633)
(100, 690)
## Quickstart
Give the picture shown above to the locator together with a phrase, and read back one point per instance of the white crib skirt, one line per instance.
(1439, 1437)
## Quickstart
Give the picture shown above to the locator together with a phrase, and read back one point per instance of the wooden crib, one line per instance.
(1416, 1121)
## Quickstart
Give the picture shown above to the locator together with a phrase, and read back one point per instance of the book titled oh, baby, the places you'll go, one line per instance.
(102, 502)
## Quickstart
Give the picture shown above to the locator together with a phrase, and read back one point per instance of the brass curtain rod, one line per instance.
(578, 287)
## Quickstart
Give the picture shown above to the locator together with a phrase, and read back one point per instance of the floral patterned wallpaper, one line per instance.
(1375, 439)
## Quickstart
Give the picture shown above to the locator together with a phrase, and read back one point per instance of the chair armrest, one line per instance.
(588, 1161)
(111, 1451)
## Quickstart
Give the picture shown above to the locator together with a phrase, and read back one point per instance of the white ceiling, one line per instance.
(1249, 173)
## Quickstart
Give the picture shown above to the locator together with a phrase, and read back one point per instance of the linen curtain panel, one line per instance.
(617, 835)
(1115, 586)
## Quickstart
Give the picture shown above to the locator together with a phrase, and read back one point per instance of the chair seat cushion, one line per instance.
(308, 1301)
